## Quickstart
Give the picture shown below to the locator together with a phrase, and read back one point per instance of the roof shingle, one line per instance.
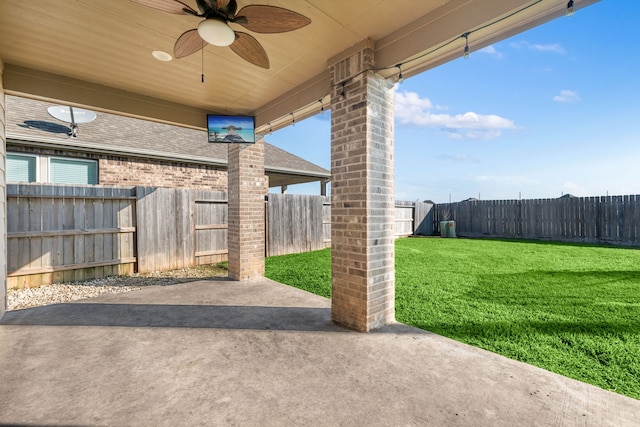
(28, 120)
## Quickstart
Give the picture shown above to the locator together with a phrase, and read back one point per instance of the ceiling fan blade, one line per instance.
(249, 49)
(221, 3)
(270, 19)
(189, 42)
(171, 6)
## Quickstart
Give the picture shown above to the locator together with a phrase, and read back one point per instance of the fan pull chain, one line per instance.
(202, 62)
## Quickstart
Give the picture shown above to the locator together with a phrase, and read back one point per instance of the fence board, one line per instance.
(78, 224)
(148, 232)
(57, 223)
(326, 220)
(89, 239)
(620, 215)
(108, 221)
(47, 240)
(635, 217)
(98, 239)
(423, 216)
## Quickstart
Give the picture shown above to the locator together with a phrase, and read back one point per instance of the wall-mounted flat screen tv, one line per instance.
(231, 129)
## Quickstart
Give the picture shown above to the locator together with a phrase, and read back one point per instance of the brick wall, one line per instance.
(247, 188)
(130, 171)
(119, 171)
(362, 200)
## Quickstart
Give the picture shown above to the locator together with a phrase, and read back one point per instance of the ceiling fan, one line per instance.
(215, 30)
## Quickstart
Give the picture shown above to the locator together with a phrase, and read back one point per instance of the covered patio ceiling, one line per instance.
(97, 54)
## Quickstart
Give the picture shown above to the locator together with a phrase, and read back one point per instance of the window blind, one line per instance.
(21, 168)
(73, 171)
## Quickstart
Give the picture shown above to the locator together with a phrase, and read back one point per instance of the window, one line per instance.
(72, 171)
(56, 170)
(22, 168)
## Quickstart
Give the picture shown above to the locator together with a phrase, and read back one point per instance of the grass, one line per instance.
(570, 309)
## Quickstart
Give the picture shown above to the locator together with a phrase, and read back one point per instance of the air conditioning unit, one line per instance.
(447, 229)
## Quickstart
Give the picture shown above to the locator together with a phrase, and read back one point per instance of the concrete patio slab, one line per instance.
(220, 352)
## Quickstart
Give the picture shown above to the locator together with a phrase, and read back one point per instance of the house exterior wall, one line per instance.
(3, 200)
(130, 171)
(122, 171)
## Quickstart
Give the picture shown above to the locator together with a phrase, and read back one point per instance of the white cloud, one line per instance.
(412, 103)
(555, 47)
(410, 108)
(491, 50)
(567, 96)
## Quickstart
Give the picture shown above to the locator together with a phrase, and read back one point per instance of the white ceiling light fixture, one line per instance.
(161, 55)
(216, 32)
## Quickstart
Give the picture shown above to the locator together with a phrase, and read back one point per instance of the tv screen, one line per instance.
(231, 129)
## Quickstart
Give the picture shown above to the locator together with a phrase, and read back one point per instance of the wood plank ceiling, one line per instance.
(97, 53)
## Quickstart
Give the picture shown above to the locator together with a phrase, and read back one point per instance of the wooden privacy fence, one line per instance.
(180, 228)
(609, 220)
(61, 233)
(65, 233)
(297, 223)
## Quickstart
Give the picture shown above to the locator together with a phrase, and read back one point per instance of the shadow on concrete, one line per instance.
(188, 316)
(292, 309)
(175, 316)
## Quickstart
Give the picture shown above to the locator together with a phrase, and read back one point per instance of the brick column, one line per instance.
(247, 188)
(362, 194)
(3, 200)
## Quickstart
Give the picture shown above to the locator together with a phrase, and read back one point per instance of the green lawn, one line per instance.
(570, 309)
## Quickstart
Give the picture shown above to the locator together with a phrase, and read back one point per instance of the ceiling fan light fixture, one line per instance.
(216, 32)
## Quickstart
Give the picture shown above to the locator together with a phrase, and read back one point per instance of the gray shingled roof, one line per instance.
(28, 122)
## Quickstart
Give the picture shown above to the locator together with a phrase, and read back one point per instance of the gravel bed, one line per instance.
(66, 292)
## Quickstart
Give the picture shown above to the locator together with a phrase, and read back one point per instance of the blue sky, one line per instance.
(551, 111)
